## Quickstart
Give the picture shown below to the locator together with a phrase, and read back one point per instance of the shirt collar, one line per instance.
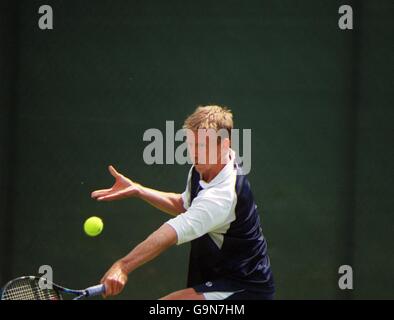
(222, 175)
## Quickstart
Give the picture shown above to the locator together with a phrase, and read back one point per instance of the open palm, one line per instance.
(122, 188)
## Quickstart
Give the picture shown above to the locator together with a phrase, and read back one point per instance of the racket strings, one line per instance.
(28, 289)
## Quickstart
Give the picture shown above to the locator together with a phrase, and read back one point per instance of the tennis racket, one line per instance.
(30, 288)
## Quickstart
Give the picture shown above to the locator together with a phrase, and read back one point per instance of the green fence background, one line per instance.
(319, 101)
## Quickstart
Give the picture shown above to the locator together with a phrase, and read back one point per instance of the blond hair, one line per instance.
(210, 117)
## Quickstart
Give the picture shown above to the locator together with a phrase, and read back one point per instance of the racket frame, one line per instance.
(87, 292)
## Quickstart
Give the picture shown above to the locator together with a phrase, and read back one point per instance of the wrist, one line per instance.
(139, 190)
(122, 265)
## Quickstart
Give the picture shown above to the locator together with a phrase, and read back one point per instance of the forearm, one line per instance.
(168, 202)
(150, 248)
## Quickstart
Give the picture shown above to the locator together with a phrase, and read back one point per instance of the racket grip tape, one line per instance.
(95, 290)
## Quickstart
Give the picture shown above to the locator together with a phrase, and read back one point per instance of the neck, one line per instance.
(209, 175)
(212, 173)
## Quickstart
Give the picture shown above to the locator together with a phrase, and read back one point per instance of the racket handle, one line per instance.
(95, 290)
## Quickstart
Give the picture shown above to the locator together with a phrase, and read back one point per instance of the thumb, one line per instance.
(113, 196)
(113, 172)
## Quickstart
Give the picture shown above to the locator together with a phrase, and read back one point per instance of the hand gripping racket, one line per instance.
(30, 288)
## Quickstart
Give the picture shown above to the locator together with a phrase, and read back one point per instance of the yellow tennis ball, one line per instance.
(93, 226)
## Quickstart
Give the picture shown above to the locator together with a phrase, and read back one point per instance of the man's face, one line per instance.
(204, 149)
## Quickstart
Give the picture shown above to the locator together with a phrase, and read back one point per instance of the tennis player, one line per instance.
(216, 213)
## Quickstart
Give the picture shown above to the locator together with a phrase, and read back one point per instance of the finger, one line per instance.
(119, 284)
(113, 196)
(112, 171)
(119, 287)
(107, 284)
(105, 293)
(109, 289)
(115, 288)
(111, 285)
(100, 193)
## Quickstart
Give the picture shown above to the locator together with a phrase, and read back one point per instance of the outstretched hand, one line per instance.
(121, 189)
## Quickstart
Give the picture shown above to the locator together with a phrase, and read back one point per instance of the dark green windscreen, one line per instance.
(318, 99)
